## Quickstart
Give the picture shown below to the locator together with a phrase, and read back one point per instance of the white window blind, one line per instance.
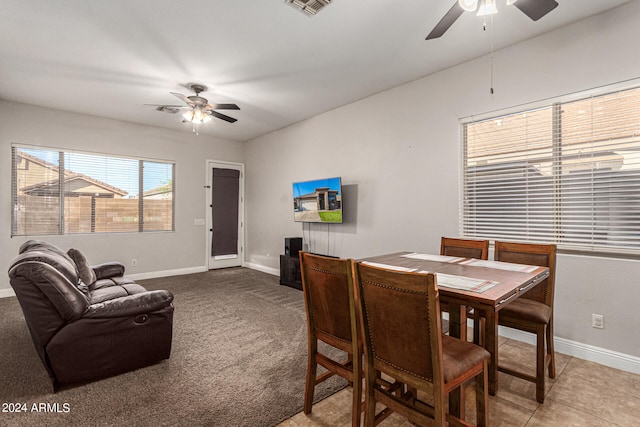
(61, 192)
(568, 173)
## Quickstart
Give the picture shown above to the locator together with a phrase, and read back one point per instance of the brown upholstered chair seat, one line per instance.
(459, 357)
(526, 310)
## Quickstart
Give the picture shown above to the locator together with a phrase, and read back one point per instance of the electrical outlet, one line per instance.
(134, 262)
(597, 321)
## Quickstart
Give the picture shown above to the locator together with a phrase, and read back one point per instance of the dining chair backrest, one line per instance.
(401, 323)
(466, 248)
(532, 254)
(328, 286)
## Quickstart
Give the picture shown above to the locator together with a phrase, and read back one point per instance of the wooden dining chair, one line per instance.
(400, 317)
(327, 284)
(533, 311)
(465, 248)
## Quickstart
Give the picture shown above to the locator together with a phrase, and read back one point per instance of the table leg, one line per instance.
(455, 320)
(491, 344)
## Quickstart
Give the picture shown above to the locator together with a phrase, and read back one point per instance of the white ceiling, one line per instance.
(110, 57)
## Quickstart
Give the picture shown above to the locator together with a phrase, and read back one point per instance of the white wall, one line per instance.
(182, 250)
(398, 153)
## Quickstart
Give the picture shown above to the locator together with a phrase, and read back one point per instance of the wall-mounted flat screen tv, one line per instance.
(319, 200)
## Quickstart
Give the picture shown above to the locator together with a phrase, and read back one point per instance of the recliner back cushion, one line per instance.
(86, 273)
(53, 273)
(52, 255)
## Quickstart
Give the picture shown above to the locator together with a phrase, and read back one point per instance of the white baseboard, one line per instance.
(602, 356)
(165, 273)
(268, 270)
(6, 293)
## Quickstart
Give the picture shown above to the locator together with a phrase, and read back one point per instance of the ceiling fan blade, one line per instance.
(536, 9)
(447, 20)
(222, 107)
(182, 98)
(171, 109)
(222, 116)
(165, 105)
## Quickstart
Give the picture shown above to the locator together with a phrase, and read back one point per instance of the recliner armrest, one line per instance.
(131, 305)
(108, 269)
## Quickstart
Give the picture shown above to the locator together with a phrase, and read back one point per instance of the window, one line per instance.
(61, 192)
(567, 172)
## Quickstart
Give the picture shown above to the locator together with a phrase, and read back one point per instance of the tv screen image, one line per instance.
(319, 200)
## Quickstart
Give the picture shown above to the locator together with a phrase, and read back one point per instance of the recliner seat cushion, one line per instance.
(110, 290)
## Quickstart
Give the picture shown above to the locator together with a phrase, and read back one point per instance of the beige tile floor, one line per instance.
(583, 394)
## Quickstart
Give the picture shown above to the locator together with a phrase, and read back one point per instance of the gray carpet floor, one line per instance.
(238, 359)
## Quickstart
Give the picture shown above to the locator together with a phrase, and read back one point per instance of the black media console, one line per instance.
(290, 271)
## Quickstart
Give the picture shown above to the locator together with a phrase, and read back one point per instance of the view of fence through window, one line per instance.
(56, 192)
(567, 173)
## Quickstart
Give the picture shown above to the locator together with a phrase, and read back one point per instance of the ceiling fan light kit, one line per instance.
(196, 116)
(468, 5)
(487, 7)
(310, 7)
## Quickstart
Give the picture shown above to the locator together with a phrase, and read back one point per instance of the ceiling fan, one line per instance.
(534, 9)
(198, 109)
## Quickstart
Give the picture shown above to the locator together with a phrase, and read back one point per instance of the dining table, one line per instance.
(484, 285)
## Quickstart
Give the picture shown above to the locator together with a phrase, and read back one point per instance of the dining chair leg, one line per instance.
(350, 360)
(310, 382)
(370, 402)
(455, 405)
(414, 393)
(482, 398)
(541, 354)
(550, 350)
(356, 410)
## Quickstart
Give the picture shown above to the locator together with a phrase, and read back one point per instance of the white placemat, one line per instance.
(389, 267)
(464, 283)
(500, 265)
(429, 257)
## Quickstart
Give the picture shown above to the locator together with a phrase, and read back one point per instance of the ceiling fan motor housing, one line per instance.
(197, 99)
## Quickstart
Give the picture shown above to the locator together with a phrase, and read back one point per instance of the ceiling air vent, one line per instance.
(310, 7)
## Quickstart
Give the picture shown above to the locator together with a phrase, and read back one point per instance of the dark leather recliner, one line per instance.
(87, 331)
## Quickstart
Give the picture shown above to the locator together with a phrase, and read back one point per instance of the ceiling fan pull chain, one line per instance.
(491, 88)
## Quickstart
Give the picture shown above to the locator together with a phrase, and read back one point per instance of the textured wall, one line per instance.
(162, 251)
(399, 156)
